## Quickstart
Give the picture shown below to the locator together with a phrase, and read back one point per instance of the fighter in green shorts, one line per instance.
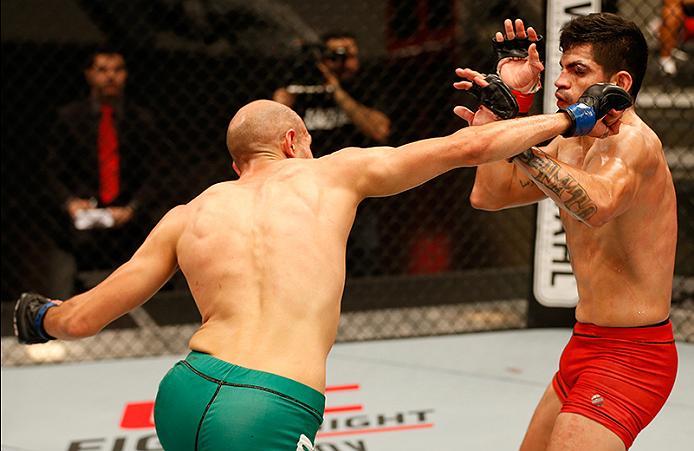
(206, 403)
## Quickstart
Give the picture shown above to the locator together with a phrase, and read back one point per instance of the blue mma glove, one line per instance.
(29, 312)
(593, 105)
(497, 97)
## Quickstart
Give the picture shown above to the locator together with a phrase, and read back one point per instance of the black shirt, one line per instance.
(329, 125)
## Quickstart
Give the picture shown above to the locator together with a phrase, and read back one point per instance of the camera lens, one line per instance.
(338, 54)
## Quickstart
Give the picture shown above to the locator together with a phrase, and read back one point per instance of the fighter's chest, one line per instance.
(584, 152)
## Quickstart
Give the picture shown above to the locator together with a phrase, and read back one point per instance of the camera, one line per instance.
(320, 52)
(337, 55)
(306, 78)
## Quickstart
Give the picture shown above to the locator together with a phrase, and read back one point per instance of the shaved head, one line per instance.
(260, 126)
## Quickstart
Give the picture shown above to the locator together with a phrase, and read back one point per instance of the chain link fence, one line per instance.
(420, 263)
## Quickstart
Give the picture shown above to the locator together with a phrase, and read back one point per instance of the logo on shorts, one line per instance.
(597, 400)
(304, 444)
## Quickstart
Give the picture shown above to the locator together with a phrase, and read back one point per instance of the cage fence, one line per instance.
(420, 263)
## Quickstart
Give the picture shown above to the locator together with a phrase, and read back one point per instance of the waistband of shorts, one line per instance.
(657, 333)
(235, 375)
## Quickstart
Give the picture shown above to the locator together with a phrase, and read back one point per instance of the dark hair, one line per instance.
(337, 34)
(102, 49)
(617, 44)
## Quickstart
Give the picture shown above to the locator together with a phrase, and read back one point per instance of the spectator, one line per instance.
(330, 103)
(332, 108)
(673, 15)
(99, 167)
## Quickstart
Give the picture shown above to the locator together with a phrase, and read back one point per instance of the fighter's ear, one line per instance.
(623, 79)
(288, 143)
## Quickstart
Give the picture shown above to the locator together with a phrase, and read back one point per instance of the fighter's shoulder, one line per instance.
(213, 190)
(172, 224)
(637, 146)
(178, 214)
(202, 198)
(352, 161)
(637, 140)
(355, 154)
(339, 159)
(345, 152)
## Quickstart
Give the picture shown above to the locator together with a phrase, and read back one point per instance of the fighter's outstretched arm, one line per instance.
(384, 171)
(129, 286)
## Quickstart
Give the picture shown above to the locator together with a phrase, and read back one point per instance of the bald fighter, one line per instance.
(618, 209)
(264, 257)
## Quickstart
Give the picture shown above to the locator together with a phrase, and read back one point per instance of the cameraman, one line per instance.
(324, 91)
(333, 112)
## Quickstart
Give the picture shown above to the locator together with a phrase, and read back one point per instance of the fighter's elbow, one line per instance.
(600, 207)
(593, 215)
(595, 220)
(474, 151)
(480, 201)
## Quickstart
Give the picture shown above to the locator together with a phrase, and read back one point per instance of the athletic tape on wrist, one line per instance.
(38, 321)
(525, 101)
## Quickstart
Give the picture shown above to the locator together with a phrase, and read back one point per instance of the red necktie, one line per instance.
(109, 160)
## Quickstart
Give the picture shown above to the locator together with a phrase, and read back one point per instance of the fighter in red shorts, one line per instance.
(618, 209)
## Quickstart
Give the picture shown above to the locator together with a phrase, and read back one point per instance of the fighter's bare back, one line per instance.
(264, 257)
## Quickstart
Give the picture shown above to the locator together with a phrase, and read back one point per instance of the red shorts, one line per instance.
(619, 377)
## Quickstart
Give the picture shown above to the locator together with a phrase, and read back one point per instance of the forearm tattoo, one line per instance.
(566, 189)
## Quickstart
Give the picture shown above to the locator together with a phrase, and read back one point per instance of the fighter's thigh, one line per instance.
(540, 429)
(574, 432)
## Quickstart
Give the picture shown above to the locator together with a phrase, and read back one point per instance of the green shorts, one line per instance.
(205, 403)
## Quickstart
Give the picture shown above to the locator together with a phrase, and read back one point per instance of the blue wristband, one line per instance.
(38, 321)
(583, 117)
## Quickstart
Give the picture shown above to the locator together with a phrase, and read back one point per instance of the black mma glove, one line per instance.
(593, 105)
(497, 97)
(513, 48)
(28, 318)
(517, 48)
